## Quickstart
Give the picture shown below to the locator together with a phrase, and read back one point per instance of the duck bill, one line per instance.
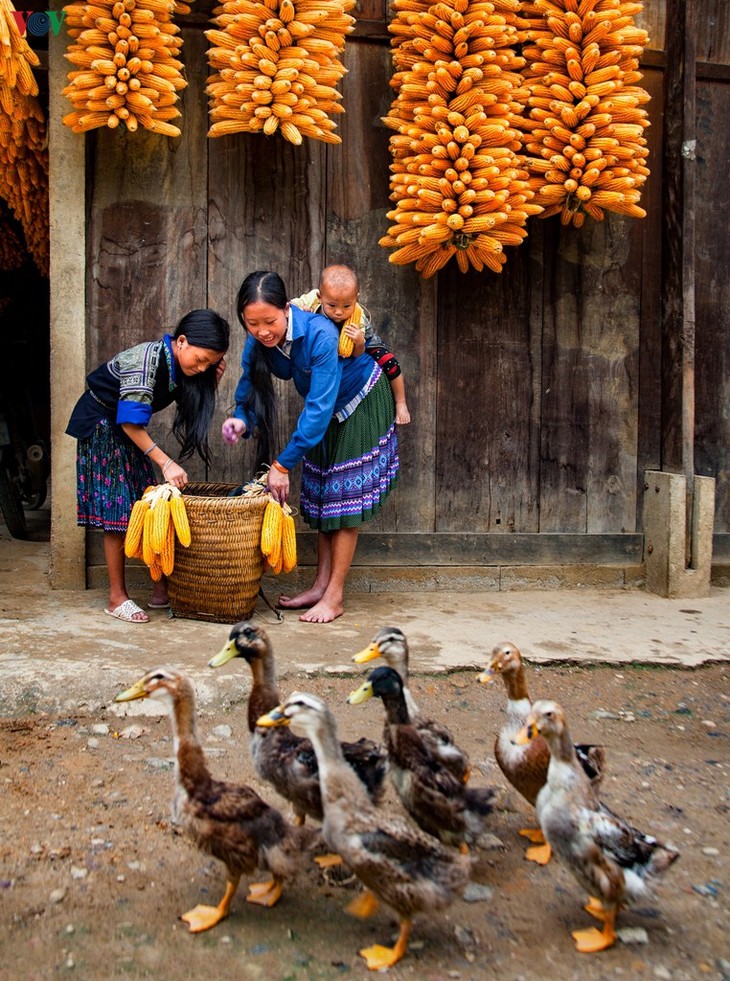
(368, 653)
(526, 735)
(137, 690)
(487, 676)
(361, 694)
(273, 718)
(225, 654)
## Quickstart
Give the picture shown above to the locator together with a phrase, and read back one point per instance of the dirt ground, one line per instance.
(93, 876)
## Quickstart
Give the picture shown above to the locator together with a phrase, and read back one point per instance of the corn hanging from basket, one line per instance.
(278, 537)
(157, 520)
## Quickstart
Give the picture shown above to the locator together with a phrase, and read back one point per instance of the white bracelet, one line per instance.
(153, 447)
(167, 464)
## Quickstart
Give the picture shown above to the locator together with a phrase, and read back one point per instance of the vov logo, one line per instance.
(32, 20)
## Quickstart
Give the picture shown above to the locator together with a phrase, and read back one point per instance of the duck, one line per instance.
(525, 767)
(390, 643)
(282, 758)
(612, 860)
(229, 821)
(438, 802)
(397, 863)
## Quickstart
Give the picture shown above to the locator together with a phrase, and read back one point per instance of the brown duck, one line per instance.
(228, 821)
(525, 767)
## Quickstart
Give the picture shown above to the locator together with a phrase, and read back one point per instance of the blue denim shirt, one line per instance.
(326, 381)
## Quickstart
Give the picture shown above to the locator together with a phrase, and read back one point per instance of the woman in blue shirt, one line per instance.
(115, 452)
(345, 436)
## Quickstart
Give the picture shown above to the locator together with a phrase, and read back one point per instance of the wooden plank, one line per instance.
(589, 411)
(712, 420)
(648, 455)
(653, 19)
(147, 230)
(712, 31)
(678, 314)
(266, 211)
(485, 398)
(446, 549)
(400, 303)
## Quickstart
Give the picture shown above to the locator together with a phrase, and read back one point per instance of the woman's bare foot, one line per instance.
(323, 612)
(302, 600)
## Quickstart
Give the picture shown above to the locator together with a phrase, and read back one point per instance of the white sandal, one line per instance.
(126, 611)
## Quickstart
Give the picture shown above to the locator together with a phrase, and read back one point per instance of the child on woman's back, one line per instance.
(337, 298)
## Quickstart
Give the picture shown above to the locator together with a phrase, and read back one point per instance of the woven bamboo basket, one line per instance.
(218, 576)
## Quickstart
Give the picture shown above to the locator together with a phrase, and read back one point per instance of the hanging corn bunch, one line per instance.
(23, 143)
(17, 59)
(457, 178)
(158, 518)
(24, 171)
(127, 67)
(12, 250)
(278, 537)
(276, 66)
(586, 125)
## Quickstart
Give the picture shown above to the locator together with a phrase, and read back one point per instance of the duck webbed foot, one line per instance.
(327, 861)
(591, 941)
(542, 852)
(379, 958)
(597, 910)
(364, 905)
(204, 917)
(264, 893)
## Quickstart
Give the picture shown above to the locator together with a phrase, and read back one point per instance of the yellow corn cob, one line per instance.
(179, 516)
(156, 572)
(167, 554)
(161, 511)
(288, 541)
(148, 552)
(346, 344)
(135, 527)
(271, 528)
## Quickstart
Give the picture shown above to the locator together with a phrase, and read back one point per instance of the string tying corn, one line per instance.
(276, 65)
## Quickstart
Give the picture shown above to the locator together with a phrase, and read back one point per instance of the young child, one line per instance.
(115, 452)
(337, 298)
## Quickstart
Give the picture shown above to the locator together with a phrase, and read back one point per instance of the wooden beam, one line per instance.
(678, 252)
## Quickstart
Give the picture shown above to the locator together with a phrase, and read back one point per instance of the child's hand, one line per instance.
(232, 430)
(357, 337)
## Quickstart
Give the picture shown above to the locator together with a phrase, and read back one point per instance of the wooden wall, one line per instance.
(535, 394)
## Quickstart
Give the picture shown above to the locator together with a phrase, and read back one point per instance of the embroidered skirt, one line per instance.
(348, 476)
(111, 474)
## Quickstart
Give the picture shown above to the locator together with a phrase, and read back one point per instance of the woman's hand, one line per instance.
(232, 430)
(278, 484)
(174, 474)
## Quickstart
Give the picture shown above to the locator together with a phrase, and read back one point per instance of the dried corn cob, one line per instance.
(17, 59)
(127, 67)
(167, 553)
(586, 121)
(271, 528)
(276, 66)
(23, 142)
(458, 180)
(288, 541)
(180, 518)
(135, 527)
(161, 510)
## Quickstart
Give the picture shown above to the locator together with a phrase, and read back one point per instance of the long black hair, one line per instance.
(261, 286)
(196, 398)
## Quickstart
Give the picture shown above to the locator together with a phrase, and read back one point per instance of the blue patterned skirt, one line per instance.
(348, 476)
(111, 474)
